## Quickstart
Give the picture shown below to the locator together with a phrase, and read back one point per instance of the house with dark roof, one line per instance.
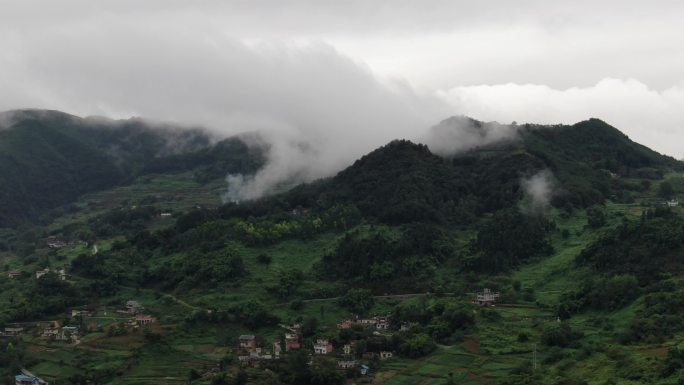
(247, 341)
(22, 379)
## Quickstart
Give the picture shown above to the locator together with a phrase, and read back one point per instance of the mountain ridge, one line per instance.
(50, 158)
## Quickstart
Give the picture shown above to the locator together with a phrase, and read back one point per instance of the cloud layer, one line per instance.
(316, 108)
(325, 82)
(654, 118)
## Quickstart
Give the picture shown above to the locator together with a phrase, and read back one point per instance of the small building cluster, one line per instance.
(291, 342)
(61, 273)
(13, 274)
(486, 297)
(252, 355)
(377, 322)
(323, 347)
(55, 242)
(55, 332)
(12, 331)
(348, 361)
(132, 307)
(144, 319)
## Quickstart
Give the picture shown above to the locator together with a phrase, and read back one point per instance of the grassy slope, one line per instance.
(488, 352)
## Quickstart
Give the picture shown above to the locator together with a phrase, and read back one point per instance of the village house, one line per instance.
(254, 362)
(243, 359)
(486, 297)
(364, 370)
(67, 334)
(257, 355)
(347, 349)
(367, 322)
(300, 212)
(382, 323)
(144, 319)
(55, 243)
(22, 379)
(345, 324)
(13, 331)
(277, 350)
(57, 333)
(49, 333)
(377, 322)
(247, 342)
(291, 342)
(132, 307)
(13, 274)
(81, 313)
(61, 273)
(294, 328)
(672, 203)
(385, 355)
(346, 364)
(323, 347)
(41, 273)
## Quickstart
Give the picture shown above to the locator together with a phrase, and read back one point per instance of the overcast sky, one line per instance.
(342, 77)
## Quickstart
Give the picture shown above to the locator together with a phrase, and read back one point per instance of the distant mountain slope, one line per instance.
(43, 167)
(650, 249)
(50, 158)
(404, 182)
(594, 142)
(591, 159)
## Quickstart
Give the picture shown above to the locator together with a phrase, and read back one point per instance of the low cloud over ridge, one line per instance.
(650, 117)
(318, 106)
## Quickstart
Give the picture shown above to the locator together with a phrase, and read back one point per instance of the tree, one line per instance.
(264, 259)
(288, 282)
(596, 217)
(325, 373)
(309, 326)
(241, 377)
(193, 375)
(510, 238)
(665, 190)
(559, 335)
(357, 300)
(417, 345)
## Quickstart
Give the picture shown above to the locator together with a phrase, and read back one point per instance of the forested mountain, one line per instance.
(403, 182)
(576, 230)
(50, 158)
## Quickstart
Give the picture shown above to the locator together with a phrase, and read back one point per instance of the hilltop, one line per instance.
(403, 181)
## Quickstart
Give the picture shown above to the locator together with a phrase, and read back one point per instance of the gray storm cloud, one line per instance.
(313, 78)
(316, 109)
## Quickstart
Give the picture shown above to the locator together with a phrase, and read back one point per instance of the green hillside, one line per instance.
(50, 158)
(589, 283)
